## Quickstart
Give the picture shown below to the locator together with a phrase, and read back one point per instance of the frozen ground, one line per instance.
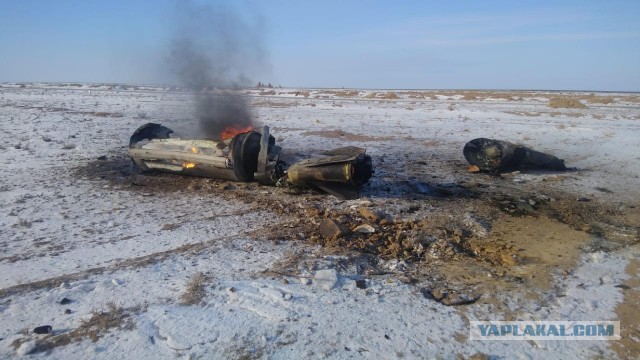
(78, 224)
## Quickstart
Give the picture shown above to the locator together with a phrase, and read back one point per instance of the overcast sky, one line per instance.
(573, 45)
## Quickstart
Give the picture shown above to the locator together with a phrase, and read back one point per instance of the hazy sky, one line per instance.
(580, 45)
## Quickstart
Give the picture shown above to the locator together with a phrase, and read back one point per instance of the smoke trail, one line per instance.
(215, 52)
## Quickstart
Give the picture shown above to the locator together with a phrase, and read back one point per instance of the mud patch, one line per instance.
(628, 347)
(527, 256)
(544, 248)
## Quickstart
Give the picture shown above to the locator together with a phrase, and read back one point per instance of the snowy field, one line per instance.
(160, 266)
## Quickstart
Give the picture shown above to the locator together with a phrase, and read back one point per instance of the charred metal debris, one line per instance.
(497, 156)
(249, 156)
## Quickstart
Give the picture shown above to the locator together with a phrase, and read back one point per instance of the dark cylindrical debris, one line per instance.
(44, 329)
(497, 156)
(339, 175)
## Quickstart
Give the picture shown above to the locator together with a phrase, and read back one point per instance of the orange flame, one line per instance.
(188, 165)
(231, 131)
(194, 150)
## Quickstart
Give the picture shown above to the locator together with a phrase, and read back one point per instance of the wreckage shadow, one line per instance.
(119, 169)
(534, 172)
(415, 190)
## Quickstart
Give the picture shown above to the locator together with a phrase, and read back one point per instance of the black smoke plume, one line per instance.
(214, 52)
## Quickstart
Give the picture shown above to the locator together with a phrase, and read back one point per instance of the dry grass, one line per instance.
(101, 321)
(274, 104)
(566, 102)
(194, 292)
(633, 99)
(351, 93)
(419, 95)
(563, 114)
(414, 95)
(342, 93)
(94, 328)
(480, 95)
(523, 113)
(300, 93)
(390, 95)
(595, 99)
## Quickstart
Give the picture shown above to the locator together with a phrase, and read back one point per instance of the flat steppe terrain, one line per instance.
(164, 266)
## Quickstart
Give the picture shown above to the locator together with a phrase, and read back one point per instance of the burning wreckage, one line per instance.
(247, 155)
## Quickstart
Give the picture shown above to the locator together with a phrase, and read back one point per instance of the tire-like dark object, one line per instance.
(245, 150)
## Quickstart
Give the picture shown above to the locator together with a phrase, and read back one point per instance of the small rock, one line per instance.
(413, 208)
(361, 284)
(450, 298)
(229, 187)
(67, 311)
(524, 206)
(369, 214)
(46, 139)
(365, 203)
(305, 281)
(438, 294)
(194, 187)
(479, 356)
(102, 157)
(387, 220)
(284, 281)
(331, 229)
(583, 199)
(364, 229)
(44, 329)
(169, 227)
(459, 299)
(326, 279)
(65, 301)
(473, 169)
(139, 180)
(287, 296)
